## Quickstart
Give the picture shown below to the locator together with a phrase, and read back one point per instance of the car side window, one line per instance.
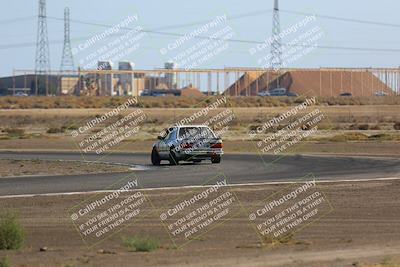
(171, 135)
(168, 136)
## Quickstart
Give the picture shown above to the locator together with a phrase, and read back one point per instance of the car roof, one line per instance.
(191, 126)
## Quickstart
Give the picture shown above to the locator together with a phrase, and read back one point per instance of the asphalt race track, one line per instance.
(238, 168)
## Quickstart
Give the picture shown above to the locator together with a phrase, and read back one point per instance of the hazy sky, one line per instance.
(155, 14)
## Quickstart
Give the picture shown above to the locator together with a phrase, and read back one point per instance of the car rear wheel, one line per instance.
(216, 159)
(155, 157)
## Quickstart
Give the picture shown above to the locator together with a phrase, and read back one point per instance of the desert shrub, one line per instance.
(300, 100)
(349, 137)
(55, 130)
(363, 127)
(14, 131)
(171, 101)
(72, 127)
(140, 244)
(158, 104)
(328, 127)
(381, 136)
(282, 240)
(353, 127)
(396, 126)
(253, 127)
(12, 234)
(5, 262)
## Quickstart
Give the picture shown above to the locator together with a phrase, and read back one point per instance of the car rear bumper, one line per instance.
(200, 153)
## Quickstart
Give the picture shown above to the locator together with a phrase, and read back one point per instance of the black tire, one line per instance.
(172, 158)
(155, 157)
(216, 159)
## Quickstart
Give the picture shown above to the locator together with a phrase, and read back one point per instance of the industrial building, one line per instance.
(32, 84)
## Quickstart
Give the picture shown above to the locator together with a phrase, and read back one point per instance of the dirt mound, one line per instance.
(191, 92)
(334, 83)
(310, 82)
(243, 86)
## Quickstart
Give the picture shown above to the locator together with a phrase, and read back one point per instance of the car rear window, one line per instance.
(195, 133)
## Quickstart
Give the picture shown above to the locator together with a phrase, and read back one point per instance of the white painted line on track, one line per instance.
(196, 186)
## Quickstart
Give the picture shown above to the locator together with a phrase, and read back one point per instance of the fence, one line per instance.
(229, 81)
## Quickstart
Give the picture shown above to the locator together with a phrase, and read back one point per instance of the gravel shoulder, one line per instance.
(362, 230)
(16, 168)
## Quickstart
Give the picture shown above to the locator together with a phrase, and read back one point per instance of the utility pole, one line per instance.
(67, 60)
(276, 45)
(42, 62)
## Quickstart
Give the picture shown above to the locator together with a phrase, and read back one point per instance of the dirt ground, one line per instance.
(352, 130)
(378, 121)
(14, 168)
(362, 229)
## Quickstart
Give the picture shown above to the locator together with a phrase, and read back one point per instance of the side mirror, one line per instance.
(160, 137)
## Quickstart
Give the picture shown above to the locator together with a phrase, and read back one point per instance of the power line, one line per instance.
(20, 19)
(229, 18)
(175, 26)
(244, 41)
(158, 32)
(366, 49)
(378, 23)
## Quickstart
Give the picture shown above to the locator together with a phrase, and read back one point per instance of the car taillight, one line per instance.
(217, 145)
(187, 145)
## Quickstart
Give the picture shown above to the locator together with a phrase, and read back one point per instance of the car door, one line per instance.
(165, 144)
